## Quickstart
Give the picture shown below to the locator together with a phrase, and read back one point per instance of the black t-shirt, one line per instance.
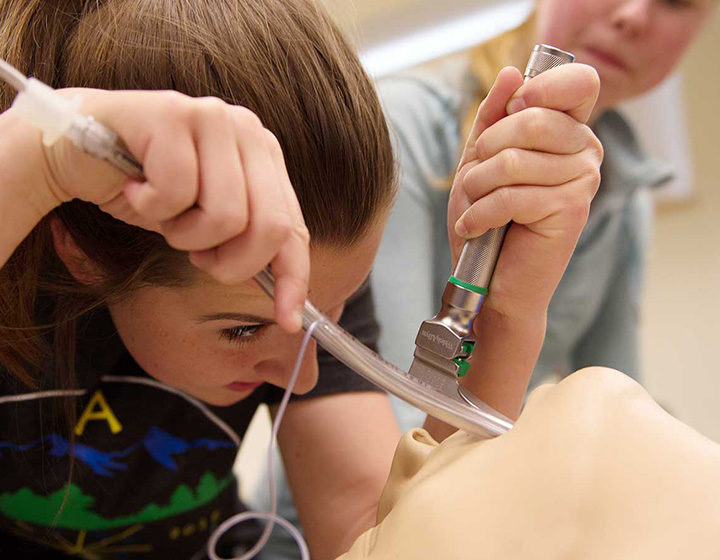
(152, 468)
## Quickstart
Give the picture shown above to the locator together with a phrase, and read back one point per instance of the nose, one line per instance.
(632, 17)
(278, 368)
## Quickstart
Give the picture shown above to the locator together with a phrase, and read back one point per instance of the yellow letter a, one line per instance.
(103, 412)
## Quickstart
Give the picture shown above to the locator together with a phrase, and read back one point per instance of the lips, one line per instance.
(242, 387)
(607, 58)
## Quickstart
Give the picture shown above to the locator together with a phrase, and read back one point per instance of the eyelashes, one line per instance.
(242, 334)
(680, 3)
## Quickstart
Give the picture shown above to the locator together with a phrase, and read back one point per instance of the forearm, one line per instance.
(364, 518)
(505, 355)
(337, 451)
(23, 199)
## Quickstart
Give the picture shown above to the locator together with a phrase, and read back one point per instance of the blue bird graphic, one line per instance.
(162, 446)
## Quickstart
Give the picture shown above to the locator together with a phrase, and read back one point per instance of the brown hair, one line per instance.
(283, 59)
(510, 48)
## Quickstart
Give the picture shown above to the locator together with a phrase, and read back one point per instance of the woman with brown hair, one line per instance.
(120, 356)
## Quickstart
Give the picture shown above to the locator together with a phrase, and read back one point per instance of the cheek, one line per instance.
(182, 360)
(669, 42)
(177, 354)
(561, 23)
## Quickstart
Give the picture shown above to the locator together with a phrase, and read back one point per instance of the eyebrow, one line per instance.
(247, 318)
(243, 317)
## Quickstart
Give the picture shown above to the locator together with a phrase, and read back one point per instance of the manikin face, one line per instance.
(593, 469)
(219, 342)
(633, 44)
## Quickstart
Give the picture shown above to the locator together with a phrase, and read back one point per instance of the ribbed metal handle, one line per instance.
(544, 57)
(479, 256)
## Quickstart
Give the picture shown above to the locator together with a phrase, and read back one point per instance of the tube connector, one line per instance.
(44, 108)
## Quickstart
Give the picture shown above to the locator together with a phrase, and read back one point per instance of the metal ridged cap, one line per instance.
(544, 57)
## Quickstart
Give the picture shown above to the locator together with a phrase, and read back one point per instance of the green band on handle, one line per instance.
(467, 285)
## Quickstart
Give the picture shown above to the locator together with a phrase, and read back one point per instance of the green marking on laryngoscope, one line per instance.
(468, 286)
(463, 366)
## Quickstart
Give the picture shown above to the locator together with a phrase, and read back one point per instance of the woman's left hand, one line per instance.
(532, 160)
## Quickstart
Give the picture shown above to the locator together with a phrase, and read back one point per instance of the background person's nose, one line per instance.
(632, 17)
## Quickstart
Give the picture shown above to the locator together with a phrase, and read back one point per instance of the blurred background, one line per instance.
(678, 123)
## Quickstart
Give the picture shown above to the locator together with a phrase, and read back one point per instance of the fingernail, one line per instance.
(461, 228)
(515, 105)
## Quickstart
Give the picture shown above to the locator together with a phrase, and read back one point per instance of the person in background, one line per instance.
(593, 317)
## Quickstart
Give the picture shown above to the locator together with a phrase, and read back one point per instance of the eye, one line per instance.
(240, 334)
(678, 3)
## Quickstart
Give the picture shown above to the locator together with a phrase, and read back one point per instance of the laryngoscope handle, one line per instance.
(479, 255)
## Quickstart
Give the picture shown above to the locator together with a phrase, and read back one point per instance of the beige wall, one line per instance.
(681, 329)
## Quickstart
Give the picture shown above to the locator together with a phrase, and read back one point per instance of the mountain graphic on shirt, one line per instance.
(162, 446)
(76, 507)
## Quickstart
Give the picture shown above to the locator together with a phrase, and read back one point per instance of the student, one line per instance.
(129, 371)
(593, 317)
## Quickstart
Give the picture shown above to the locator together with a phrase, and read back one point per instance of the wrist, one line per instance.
(24, 177)
(505, 355)
(528, 325)
(25, 194)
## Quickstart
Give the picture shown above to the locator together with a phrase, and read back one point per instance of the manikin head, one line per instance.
(593, 469)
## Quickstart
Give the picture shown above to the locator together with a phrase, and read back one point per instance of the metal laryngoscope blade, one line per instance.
(445, 343)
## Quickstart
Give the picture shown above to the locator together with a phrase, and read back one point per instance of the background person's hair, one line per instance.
(511, 48)
(283, 59)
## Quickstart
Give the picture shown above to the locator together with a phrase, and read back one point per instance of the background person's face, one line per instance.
(633, 44)
(218, 342)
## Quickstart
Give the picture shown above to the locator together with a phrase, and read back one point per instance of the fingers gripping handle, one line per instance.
(479, 256)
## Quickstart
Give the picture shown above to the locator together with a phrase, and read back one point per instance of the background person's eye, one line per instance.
(240, 334)
(678, 3)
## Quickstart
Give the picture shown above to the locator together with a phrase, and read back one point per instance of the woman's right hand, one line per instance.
(216, 186)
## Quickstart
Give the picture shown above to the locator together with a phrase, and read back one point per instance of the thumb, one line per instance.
(571, 88)
(492, 109)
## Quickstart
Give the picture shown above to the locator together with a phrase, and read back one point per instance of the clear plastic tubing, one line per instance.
(480, 420)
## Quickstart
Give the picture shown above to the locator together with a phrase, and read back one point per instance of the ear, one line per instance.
(77, 262)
